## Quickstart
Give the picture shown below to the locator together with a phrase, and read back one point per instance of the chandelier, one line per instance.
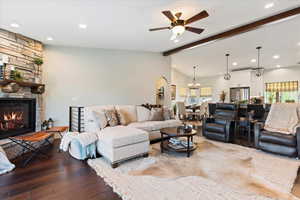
(259, 70)
(227, 76)
(194, 84)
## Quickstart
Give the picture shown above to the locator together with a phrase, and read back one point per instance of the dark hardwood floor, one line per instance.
(59, 177)
(62, 177)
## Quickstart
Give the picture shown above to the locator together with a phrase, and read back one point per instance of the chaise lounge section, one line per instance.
(130, 139)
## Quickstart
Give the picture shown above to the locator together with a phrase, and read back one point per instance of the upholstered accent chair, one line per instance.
(280, 133)
(222, 126)
(275, 142)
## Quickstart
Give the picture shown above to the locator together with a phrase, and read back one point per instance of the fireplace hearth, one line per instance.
(17, 116)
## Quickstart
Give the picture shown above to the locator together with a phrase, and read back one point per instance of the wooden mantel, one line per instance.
(36, 88)
(21, 83)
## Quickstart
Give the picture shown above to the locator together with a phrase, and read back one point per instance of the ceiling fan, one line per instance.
(178, 26)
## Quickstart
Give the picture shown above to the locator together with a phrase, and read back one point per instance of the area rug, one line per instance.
(215, 171)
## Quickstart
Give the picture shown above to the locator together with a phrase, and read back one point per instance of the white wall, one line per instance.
(180, 80)
(85, 76)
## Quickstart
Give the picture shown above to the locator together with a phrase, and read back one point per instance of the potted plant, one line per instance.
(16, 75)
(38, 62)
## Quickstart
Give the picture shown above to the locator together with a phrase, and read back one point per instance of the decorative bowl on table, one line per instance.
(186, 128)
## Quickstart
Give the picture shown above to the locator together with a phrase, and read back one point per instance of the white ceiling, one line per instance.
(282, 38)
(124, 24)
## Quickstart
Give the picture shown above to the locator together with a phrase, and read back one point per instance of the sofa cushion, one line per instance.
(119, 136)
(127, 114)
(91, 124)
(156, 114)
(168, 113)
(215, 128)
(155, 125)
(278, 138)
(143, 114)
(100, 119)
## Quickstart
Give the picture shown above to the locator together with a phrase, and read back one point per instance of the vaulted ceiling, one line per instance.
(124, 24)
(281, 39)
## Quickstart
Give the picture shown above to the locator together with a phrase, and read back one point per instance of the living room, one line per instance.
(129, 99)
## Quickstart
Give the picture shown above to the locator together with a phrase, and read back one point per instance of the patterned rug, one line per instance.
(215, 171)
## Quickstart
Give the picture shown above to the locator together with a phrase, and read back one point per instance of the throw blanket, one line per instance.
(283, 118)
(5, 165)
(86, 139)
(66, 140)
(84, 143)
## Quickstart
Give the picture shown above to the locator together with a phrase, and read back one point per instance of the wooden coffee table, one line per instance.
(177, 132)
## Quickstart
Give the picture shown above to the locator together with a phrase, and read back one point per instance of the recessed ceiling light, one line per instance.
(49, 38)
(234, 63)
(14, 25)
(269, 5)
(253, 60)
(278, 66)
(276, 56)
(82, 26)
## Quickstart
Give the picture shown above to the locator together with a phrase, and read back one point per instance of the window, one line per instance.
(205, 92)
(282, 92)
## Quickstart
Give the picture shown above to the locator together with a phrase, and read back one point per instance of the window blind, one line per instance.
(287, 86)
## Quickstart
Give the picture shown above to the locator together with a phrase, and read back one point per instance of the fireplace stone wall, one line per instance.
(21, 52)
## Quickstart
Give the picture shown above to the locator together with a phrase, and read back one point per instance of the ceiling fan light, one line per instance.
(173, 37)
(190, 84)
(198, 84)
(178, 30)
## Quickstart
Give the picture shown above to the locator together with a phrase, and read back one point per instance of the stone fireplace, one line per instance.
(17, 116)
(21, 112)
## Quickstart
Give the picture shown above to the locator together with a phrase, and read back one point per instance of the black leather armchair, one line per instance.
(279, 143)
(222, 126)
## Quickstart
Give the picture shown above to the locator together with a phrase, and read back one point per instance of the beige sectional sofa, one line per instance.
(132, 138)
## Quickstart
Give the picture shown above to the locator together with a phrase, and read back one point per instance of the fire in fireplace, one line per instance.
(12, 120)
(17, 116)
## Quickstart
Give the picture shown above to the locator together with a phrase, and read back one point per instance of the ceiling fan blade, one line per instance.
(197, 17)
(194, 30)
(178, 15)
(169, 15)
(158, 29)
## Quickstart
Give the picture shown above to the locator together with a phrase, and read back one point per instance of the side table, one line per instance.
(58, 129)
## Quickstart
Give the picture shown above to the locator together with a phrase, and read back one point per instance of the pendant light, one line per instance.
(259, 69)
(227, 76)
(194, 84)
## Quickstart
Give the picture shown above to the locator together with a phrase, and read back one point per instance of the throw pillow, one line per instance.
(111, 117)
(168, 114)
(143, 114)
(126, 114)
(100, 119)
(156, 114)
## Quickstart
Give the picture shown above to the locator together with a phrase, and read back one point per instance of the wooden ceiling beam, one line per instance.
(238, 30)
